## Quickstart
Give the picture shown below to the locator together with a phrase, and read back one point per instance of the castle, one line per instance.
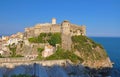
(65, 28)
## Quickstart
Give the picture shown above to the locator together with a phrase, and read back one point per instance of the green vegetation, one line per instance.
(81, 43)
(60, 54)
(40, 53)
(12, 48)
(33, 40)
(55, 39)
(40, 50)
(94, 44)
(42, 38)
(88, 48)
(1, 56)
(51, 38)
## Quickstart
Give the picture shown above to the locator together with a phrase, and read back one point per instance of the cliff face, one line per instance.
(93, 54)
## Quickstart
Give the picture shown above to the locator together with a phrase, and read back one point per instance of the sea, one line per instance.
(112, 47)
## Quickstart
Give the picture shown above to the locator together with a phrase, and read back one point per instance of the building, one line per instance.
(1, 52)
(13, 40)
(19, 35)
(49, 50)
(66, 28)
(5, 38)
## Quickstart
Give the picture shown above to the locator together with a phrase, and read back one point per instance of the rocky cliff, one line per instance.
(92, 53)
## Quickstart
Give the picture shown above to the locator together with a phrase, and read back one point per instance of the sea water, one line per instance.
(112, 47)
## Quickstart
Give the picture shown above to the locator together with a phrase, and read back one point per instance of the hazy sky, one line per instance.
(101, 17)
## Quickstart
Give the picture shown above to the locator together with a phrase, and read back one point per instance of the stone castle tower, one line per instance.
(66, 36)
(53, 20)
(65, 27)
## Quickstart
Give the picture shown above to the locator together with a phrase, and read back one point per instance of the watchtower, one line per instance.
(66, 37)
(53, 20)
(66, 27)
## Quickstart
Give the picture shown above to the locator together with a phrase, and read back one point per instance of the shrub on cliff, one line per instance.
(40, 53)
(87, 48)
(33, 40)
(62, 54)
(51, 38)
(55, 39)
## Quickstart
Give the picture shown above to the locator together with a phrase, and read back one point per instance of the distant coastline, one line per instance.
(105, 36)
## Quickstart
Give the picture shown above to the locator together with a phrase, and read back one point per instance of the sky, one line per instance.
(101, 17)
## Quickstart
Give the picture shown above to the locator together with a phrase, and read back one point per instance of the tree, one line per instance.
(55, 39)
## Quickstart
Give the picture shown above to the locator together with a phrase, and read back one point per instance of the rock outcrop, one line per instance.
(92, 53)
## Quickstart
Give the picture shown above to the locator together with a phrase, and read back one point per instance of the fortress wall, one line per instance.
(5, 60)
(74, 27)
(47, 29)
(36, 31)
(12, 62)
(55, 28)
(77, 30)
